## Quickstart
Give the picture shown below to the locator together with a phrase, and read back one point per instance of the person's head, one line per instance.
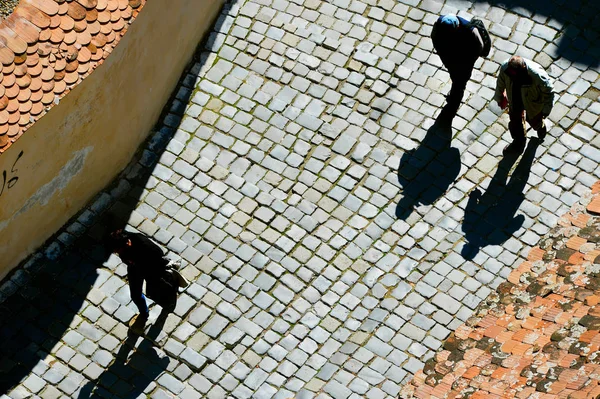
(118, 241)
(448, 22)
(516, 67)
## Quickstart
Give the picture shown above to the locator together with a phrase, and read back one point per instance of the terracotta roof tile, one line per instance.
(47, 47)
(535, 254)
(49, 7)
(88, 3)
(33, 15)
(594, 206)
(542, 346)
(576, 242)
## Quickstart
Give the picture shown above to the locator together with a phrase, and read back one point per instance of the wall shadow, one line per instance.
(490, 217)
(579, 40)
(426, 172)
(50, 294)
(35, 319)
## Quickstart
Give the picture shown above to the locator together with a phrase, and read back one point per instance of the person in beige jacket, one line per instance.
(526, 89)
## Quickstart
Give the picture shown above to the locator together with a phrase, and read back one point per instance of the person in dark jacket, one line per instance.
(145, 262)
(459, 43)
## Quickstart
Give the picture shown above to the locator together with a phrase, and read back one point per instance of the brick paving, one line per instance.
(538, 333)
(334, 233)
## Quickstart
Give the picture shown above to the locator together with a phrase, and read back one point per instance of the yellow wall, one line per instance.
(82, 143)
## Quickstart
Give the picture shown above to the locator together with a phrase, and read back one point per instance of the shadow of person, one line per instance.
(490, 218)
(49, 293)
(42, 298)
(128, 376)
(154, 330)
(426, 172)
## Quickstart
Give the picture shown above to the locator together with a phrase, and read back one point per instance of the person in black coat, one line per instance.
(459, 43)
(145, 262)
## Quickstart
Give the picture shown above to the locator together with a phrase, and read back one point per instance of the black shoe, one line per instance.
(542, 132)
(514, 148)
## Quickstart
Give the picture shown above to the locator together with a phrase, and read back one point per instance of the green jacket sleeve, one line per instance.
(501, 83)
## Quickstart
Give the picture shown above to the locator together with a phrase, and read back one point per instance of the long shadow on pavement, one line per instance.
(580, 39)
(426, 172)
(128, 376)
(43, 315)
(490, 217)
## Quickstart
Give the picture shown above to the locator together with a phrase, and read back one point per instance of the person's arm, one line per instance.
(477, 44)
(499, 95)
(547, 91)
(440, 45)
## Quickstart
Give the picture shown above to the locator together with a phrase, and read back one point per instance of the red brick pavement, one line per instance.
(538, 335)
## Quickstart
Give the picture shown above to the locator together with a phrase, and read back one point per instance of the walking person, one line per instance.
(527, 90)
(146, 261)
(459, 43)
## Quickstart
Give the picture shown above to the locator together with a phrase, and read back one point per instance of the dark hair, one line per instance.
(516, 63)
(116, 240)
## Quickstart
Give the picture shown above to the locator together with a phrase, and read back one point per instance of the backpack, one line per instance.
(485, 36)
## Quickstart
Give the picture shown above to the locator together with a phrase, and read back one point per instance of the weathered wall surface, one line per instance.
(78, 147)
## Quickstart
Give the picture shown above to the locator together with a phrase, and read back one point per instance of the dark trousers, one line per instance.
(516, 125)
(140, 302)
(168, 302)
(460, 73)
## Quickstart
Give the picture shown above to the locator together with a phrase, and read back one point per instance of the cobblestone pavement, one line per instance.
(335, 235)
(537, 336)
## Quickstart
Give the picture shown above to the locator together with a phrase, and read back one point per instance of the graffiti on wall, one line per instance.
(9, 178)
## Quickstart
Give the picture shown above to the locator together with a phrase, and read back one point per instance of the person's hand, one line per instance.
(503, 103)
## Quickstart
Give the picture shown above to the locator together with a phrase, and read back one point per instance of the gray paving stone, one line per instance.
(277, 184)
(337, 390)
(172, 384)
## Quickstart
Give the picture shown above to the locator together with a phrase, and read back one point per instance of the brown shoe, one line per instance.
(138, 322)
